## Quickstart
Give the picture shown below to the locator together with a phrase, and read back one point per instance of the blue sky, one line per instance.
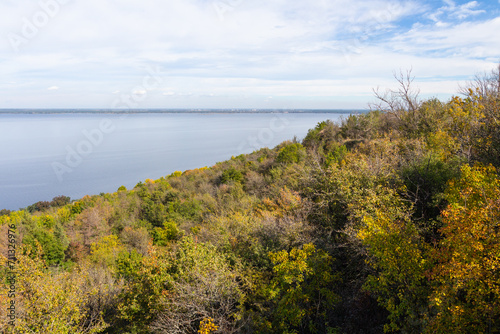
(237, 53)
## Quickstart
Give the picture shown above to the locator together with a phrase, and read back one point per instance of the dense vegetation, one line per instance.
(388, 221)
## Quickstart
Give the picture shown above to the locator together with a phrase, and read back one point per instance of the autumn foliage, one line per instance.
(387, 221)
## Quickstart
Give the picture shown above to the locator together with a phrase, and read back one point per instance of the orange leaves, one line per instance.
(287, 203)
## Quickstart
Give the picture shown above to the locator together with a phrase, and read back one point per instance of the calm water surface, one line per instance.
(43, 156)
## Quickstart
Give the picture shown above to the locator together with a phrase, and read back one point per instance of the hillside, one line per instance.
(386, 222)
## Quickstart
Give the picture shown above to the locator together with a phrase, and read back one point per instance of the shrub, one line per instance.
(169, 232)
(231, 175)
(52, 247)
(38, 206)
(336, 155)
(324, 133)
(4, 212)
(60, 201)
(293, 153)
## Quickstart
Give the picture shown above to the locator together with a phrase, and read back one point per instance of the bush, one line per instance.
(4, 212)
(38, 206)
(231, 175)
(169, 232)
(323, 134)
(425, 180)
(52, 247)
(293, 153)
(336, 155)
(60, 201)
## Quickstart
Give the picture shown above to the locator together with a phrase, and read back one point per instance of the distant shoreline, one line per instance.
(182, 111)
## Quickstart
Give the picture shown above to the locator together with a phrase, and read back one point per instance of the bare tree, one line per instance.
(403, 106)
(207, 295)
(484, 84)
(402, 100)
(206, 286)
(102, 291)
(485, 91)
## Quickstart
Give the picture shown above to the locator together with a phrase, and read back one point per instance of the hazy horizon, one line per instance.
(166, 110)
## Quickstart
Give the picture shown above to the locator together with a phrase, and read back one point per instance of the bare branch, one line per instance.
(404, 99)
(485, 84)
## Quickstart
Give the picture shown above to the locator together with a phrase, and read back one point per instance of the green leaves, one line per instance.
(168, 233)
(50, 237)
(399, 257)
(292, 153)
(301, 290)
(231, 175)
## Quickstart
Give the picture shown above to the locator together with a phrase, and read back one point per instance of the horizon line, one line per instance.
(178, 110)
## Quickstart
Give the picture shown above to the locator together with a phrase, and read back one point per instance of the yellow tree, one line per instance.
(467, 294)
(52, 302)
(398, 255)
(301, 291)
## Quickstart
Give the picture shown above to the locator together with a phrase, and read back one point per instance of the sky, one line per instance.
(293, 54)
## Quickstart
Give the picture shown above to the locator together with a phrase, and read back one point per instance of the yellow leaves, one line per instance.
(176, 174)
(469, 124)
(457, 310)
(397, 253)
(106, 250)
(379, 226)
(63, 214)
(191, 172)
(370, 226)
(53, 302)
(207, 326)
(468, 256)
(293, 265)
(443, 144)
(301, 285)
(4, 220)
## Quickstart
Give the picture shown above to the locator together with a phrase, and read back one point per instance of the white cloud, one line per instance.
(467, 10)
(469, 39)
(452, 12)
(315, 49)
(53, 88)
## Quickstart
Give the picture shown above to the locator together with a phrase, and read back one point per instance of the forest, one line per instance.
(386, 222)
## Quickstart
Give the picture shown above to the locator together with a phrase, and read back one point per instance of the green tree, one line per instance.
(301, 291)
(292, 153)
(51, 238)
(162, 236)
(231, 175)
